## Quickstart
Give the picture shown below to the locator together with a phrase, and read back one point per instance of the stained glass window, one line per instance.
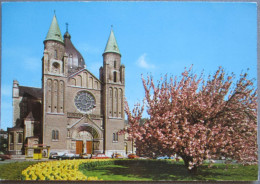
(84, 101)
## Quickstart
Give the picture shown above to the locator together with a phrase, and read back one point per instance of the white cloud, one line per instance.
(142, 62)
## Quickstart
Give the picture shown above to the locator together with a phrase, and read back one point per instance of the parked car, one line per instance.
(117, 155)
(100, 156)
(4, 156)
(165, 157)
(66, 156)
(53, 155)
(86, 156)
(143, 158)
(132, 156)
(56, 155)
(162, 157)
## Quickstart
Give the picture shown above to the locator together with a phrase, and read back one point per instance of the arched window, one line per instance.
(11, 137)
(110, 102)
(55, 54)
(115, 77)
(115, 137)
(55, 135)
(20, 137)
(115, 64)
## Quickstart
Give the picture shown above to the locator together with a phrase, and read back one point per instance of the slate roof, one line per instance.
(78, 61)
(30, 92)
(16, 128)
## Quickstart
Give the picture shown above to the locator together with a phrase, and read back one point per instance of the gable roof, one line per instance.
(78, 72)
(30, 92)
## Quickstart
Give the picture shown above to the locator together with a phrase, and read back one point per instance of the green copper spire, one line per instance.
(111, 44)
(54, 31)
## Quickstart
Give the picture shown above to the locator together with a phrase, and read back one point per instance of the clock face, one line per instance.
(84, 101)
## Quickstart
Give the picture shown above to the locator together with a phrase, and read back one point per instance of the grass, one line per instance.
(13, 171)
(147, 170)
(139, 170)
(233, 172)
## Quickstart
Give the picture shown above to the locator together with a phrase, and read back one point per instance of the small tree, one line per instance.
(197, 119)
(3, 144)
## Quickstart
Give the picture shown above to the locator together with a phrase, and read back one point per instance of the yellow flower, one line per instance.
(57, 170)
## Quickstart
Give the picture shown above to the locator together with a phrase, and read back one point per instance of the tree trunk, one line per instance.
(194, 170)
(186, 160)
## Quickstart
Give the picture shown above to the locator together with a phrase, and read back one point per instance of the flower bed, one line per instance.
(59, 170)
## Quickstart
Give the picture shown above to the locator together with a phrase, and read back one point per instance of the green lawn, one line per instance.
(145, 170)
(13, 171)
(162, 170)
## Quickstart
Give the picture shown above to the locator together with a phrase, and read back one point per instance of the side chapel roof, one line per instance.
(30, 92)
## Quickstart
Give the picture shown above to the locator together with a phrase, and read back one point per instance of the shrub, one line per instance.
(95, 163)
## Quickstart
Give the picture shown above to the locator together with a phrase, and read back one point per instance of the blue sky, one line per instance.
(154, 38)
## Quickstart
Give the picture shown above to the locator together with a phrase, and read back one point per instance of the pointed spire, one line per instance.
(67, 26)
(67, 35)
(112, 44)
(54, 31)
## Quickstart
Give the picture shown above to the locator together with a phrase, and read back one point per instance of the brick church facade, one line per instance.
(74, 111)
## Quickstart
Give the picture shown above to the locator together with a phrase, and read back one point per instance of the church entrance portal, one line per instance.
(84, 148)
(79, 147)
(89, 147)
(86, 140)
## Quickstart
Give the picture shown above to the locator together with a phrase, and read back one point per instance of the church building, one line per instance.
(74, 111)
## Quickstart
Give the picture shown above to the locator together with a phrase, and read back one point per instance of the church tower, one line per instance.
(54, 72)
(112, 74)
(74, 111)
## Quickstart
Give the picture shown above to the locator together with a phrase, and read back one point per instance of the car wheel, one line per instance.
(2, 159)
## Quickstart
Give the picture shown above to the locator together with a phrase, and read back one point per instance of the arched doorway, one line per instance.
(85, 140)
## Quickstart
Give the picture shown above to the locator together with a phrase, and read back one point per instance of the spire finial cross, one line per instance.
(67, 26)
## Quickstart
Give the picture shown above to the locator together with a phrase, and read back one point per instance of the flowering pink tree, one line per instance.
(197, 119)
